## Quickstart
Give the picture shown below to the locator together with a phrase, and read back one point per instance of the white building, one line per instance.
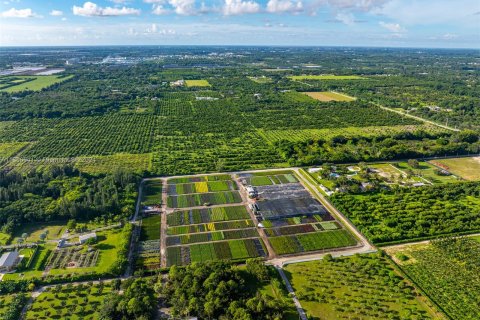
(9, 260)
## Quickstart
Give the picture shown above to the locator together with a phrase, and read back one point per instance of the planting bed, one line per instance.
(223, 250)
(200, 199)
(196, 216)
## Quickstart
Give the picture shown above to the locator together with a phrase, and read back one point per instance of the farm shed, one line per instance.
(84, 238)
(8, 261)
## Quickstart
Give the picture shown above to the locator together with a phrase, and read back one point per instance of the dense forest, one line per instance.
(63, 193)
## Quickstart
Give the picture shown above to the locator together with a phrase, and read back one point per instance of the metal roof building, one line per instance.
(8, 260)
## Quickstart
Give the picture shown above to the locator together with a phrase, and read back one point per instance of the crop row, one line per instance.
(283, 231)
(201, 187)
(217, 177)
(212, 236)
(312, 241)
(200, 199)
(226, 225)
(196, 216)
(224, 250)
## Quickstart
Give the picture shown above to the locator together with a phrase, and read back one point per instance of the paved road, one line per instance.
(300, 310)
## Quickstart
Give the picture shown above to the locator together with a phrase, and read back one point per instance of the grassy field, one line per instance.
(34, 230)
(427, 171)
(36, 83)
(70, 302)
(9, 149)
(4, 238)
(110, 163)
(359, 287)
(325, 77)
(467, 168)
(329, 96)
(197, 83)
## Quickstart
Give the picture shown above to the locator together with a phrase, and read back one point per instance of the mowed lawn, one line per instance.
(467, 168)
(36, 84)
(197, 83)
(329, 96)
(325, 77)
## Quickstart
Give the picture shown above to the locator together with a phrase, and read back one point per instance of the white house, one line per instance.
(9, 260)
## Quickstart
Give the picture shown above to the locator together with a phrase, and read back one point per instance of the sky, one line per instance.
(378, 23)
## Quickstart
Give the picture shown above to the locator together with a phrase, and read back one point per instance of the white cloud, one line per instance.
(56, 13)
(392, 27)
(346, 18)
(450, 36)
(91, 9)
(281, 6)
(155, 1)
(159, 10)
(236, 7)
(19, 13)
(183, 7)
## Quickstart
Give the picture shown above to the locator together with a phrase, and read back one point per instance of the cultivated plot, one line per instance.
(361, 287)
(292, 218)
(200, 232)
(329, 96)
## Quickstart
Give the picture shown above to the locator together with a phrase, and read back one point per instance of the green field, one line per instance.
(312, 241)
(118, 161)
(447, 270)
(325, 77)
(361, 287)
(151, 228)
(33, 83)
(197, 83)
(152, 192)
(427, 171)
(53, 231)
(466, 168)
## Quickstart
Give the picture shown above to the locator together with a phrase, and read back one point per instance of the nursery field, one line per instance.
(466, 168)
(447, 270)
(268, 177)
(413, 213)
(72, 302)
(221, 250)
(149, 245)
(201, 199)
(361, 287)
(328, 96)
(150, 228)
(197, 216)
(152, 193)
(315, 241)
(201, 187)
(115, 162)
